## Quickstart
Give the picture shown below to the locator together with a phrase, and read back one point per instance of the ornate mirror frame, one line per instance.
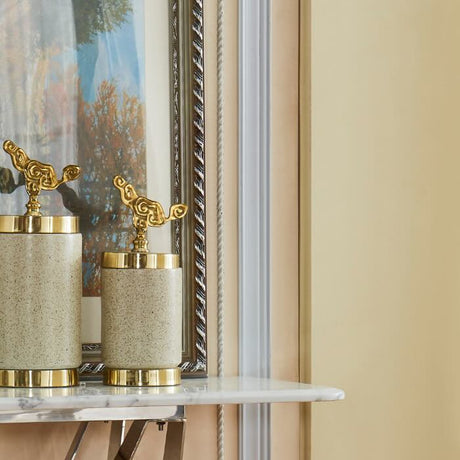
(187, 45)
(188, 183)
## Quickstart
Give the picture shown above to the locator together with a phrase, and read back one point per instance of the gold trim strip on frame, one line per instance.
(139, 260)
(39, 224)
(142, 377)
(38, 378)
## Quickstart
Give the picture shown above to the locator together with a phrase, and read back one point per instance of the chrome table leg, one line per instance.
(132, 440)
(76, 443)
(174, 446)
(117, 435)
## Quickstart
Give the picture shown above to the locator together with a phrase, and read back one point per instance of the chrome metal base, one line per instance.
(123, 447)
(117, 436)
(77, 440)
(174, 445)
(142, 377)
(38, 378)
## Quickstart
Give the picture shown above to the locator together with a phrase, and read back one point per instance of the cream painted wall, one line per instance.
(386, 228)
(285, 431)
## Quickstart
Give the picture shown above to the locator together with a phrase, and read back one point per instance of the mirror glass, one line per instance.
(109, 85)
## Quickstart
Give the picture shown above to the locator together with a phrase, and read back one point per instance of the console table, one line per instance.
(96, 402)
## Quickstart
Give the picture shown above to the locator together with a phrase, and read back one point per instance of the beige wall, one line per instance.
(284, 222)
(386, 228)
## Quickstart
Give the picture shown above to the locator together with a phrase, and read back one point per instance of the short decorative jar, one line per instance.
(142, 303)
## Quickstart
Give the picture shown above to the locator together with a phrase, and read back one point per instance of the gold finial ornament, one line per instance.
(145, 212)
(38, 176)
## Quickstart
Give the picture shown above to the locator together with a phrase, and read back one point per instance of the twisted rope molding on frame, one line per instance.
(190, 157)
(220, 222)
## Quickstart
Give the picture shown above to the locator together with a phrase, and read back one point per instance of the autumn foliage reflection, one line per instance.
(111, 140)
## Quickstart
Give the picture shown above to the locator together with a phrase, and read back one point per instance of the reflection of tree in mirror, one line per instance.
(110, 125)
(111, 141)
(7, 183)
(94, 16)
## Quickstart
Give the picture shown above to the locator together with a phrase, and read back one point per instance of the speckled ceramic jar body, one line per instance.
(142, 318)
(40, 301)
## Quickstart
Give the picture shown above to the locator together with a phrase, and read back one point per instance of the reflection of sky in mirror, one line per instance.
(38, 90)
(116, 55)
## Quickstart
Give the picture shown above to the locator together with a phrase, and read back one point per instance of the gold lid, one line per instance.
(146, 213)
(139, 260)
(37, 176)
(39, 224)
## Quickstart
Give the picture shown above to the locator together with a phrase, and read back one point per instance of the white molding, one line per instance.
(254, 218)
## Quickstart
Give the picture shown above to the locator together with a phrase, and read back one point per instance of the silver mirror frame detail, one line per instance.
(189, 170)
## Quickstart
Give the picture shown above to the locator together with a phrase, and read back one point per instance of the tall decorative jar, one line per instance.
(40, 286)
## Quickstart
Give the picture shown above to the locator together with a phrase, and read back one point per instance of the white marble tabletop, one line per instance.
(94, 401)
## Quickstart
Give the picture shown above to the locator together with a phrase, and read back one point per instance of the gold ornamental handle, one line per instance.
(38, 176)
(145, 212)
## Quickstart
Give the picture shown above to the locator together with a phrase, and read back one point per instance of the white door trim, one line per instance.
(254, 218)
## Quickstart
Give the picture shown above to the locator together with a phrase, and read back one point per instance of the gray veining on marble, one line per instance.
(212, 390)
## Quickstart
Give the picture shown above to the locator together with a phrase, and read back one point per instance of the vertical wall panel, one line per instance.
(285, 220)
(386, 228)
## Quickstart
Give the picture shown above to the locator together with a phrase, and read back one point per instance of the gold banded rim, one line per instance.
(142, 377)
(39, 224)
(38, 378)
(139, 260)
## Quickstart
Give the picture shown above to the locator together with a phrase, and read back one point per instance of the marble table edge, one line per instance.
(208, 391)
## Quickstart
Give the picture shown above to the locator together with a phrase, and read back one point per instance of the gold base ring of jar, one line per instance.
(142, 377)
(38, 378)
